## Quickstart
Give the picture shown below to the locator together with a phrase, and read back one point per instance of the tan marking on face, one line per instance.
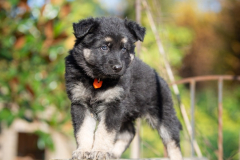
(132, 56)
(124, 40)
(108, 39)
(86, 53)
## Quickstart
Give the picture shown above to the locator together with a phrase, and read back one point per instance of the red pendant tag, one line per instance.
(97, 83)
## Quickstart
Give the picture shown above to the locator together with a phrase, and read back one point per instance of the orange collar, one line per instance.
(97, 83)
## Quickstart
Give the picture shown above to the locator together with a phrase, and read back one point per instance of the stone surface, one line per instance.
(194, 158)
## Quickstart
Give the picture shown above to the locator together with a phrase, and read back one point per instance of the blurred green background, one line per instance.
(201, 37)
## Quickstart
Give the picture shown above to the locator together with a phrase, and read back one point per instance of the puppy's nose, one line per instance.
(117, 68)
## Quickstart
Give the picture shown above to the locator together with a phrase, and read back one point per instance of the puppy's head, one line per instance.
(104, 47)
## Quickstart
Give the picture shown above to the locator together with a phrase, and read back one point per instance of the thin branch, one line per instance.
(151, 148)
(170, 74)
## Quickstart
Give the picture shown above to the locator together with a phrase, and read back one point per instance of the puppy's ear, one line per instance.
(84, 27)
(135, 29)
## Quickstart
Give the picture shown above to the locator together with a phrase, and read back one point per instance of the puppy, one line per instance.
(109, 88)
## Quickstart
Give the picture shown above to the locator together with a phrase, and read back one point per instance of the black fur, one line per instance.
(134, 91)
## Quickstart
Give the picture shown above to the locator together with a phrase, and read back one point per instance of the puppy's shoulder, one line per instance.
(70, 62)
(71, 67)
(77, 83)
(140, 68)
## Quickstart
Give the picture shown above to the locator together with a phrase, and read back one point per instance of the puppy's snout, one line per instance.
(117, 68)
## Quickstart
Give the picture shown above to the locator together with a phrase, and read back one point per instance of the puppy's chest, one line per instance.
(88, 95)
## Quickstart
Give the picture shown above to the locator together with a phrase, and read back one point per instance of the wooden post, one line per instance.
(135, 148)
(138, 20)
(165, 154)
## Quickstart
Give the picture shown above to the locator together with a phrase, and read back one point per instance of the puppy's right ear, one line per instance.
(135, 29)
(84, 27)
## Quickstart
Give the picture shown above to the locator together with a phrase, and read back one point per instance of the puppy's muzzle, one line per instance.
(117, 68)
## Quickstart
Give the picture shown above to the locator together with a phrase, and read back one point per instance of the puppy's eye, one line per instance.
(104, 47)
(124, 49)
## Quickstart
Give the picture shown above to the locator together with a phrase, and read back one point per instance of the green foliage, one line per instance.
(44, 140)
(7, 116)
(33, 46)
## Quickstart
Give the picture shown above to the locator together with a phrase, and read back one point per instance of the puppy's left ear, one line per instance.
(135, 29)
(84, 27)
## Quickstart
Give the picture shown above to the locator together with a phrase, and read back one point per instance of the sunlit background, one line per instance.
(200, 37)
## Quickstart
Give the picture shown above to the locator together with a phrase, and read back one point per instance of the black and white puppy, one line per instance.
(109, 88)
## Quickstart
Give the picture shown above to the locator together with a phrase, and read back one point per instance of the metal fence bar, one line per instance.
(192, 97)
(220, 79)
(220, 125)
(206, 78)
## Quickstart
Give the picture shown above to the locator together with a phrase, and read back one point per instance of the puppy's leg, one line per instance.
(166, 121)
(108, 127)
(168, 129)
(171, 141)
(84, 126)
(123, 139)
(104, 140)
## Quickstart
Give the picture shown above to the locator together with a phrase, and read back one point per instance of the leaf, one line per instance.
(45, 140)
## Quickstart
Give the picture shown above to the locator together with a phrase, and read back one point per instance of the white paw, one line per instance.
(80, 154)
(99, 155)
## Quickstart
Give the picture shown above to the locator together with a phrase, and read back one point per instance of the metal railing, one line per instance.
(192, 81)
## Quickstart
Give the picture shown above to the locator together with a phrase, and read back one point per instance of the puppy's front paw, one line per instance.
(99, 155)
(80, 154)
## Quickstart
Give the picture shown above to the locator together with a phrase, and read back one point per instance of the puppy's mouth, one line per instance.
(101, 74)
(114, 76)
(110, 73)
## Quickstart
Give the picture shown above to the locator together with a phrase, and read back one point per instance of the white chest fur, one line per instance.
(80, 93)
